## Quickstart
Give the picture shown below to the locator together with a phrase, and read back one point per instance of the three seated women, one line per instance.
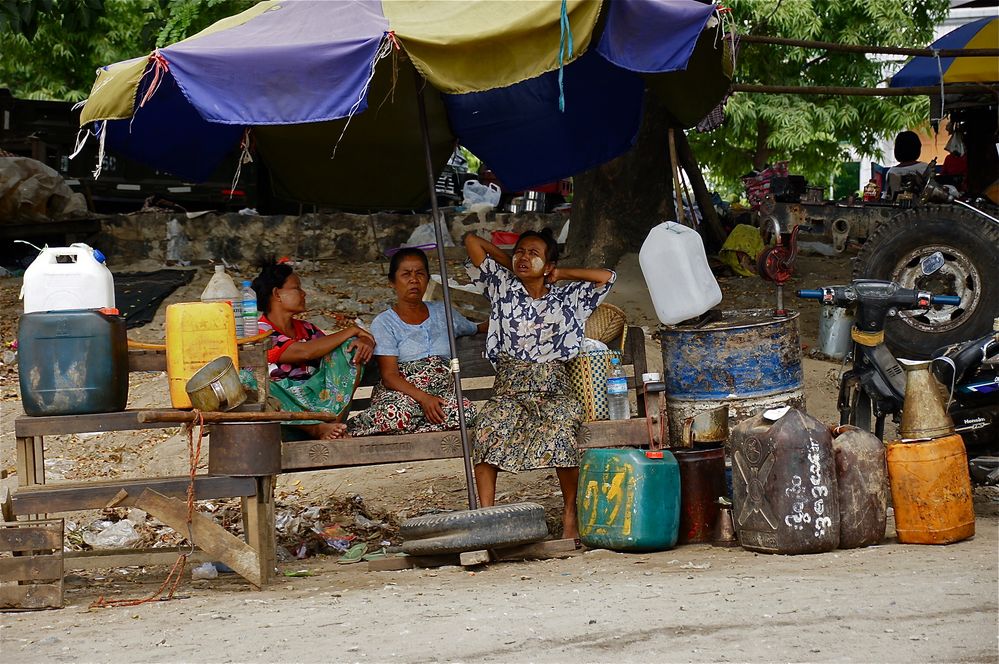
(537, 316)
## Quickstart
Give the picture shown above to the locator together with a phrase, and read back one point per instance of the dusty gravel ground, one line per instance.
(890, 603)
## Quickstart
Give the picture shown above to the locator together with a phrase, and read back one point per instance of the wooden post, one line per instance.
(258, 526)
(715, 232)
(30, 460)
(675, 169)
(208, 535)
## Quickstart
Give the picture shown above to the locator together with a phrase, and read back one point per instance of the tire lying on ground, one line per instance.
(472, 530)
(969, 246)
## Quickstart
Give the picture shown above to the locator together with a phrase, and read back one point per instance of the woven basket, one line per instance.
(588, 380)
(606, 323)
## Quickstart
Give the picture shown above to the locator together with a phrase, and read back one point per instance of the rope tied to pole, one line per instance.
(936, 56)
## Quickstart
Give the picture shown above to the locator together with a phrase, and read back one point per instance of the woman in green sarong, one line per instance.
(309, 370)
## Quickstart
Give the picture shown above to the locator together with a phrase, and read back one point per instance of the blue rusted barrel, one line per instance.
(750, 360)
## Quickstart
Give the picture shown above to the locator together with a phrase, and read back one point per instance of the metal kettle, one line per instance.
(924, 410)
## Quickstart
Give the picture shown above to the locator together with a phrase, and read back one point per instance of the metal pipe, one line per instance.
(862, 48)
(466, 451)
(949, 88)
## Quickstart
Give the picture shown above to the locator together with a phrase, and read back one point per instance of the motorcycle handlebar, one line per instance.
(818, 294)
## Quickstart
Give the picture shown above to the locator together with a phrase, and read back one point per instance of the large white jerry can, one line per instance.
(676, 271)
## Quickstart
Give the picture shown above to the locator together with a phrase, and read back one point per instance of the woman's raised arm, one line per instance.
(598, 276)
(478, 249)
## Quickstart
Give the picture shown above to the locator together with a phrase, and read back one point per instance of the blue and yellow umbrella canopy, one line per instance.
(324, 91)
(922, 71)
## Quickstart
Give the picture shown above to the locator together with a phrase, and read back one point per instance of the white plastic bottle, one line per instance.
(73, 277)
(617, 392)
(676, 271)
(250, 313)
(221, 288)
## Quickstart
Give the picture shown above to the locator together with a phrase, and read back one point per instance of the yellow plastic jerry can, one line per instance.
(196, 334)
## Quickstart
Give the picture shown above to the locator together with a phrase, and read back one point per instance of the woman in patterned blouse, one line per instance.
(309, 370)
(535, 326)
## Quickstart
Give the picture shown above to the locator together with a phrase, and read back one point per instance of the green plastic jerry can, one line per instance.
(628, 499)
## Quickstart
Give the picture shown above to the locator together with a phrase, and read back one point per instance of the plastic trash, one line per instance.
(474, 193)
(424, 234)
(204, 571)
(118, 535)
(590, 345)
(177, 242)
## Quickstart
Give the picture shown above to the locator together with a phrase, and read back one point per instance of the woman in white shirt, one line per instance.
(416, 390)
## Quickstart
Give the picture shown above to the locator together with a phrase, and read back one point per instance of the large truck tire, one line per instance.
(969, 245)
(472, 530)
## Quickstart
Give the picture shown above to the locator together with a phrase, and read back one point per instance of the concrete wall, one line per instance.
(239, 238)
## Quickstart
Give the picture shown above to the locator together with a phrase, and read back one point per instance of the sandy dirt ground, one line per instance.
(890, 603)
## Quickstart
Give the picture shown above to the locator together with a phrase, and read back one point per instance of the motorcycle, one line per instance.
(874, 386)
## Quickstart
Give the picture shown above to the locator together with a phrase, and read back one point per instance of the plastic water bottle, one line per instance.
(617, 392)
(221, 288)
(250, 313)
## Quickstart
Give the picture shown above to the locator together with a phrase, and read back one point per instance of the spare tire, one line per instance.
(472, 530)
(968, 244)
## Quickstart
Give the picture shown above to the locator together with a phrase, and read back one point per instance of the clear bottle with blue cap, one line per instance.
(617, 392)
(250, 314)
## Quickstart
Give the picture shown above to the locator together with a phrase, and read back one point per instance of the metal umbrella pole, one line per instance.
(466, 451)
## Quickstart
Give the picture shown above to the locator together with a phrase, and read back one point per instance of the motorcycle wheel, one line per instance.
(967, 243)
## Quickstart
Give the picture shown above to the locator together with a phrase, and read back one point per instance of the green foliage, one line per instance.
(188, 17)
(56, 57)
(23, 16)
(52, 48)
(815, 133)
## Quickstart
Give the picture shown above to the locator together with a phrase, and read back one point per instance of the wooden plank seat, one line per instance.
(72, 496)
(477, 383)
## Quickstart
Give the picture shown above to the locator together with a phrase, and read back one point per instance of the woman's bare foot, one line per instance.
(325, 431)
(332, 430)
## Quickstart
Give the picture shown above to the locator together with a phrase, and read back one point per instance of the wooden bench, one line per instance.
(160, 496)
(477, 384)
(35, 496)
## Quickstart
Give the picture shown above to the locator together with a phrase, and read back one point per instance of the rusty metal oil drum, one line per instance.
(750, 360)
(784, 490)
(862, 486)
(245, 449)
(702, 482)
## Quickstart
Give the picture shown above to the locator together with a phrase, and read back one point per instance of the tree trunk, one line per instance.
(616, 204)
(762, 153)
(711, 228)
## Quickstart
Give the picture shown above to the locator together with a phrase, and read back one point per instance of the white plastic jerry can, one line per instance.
(65, 278)
(676, 271)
